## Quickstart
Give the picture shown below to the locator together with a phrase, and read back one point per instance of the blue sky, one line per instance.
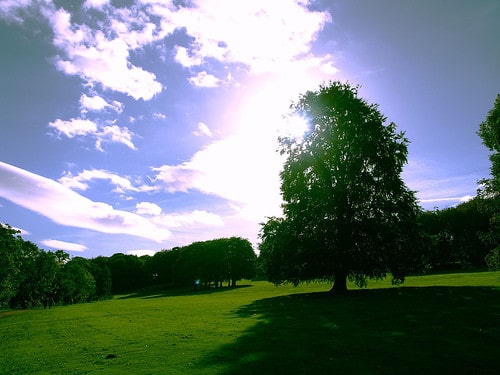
(134, 126)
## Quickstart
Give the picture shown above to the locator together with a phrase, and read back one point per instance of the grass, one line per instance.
(434, 324)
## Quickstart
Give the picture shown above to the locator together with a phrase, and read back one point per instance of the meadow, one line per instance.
(437, 324)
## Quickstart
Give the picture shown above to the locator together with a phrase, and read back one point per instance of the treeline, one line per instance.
(453, 238)
(33, 277)
(450, 239)
(201, 265)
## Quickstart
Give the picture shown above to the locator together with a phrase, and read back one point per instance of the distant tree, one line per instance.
(489, 131)
(76, 281)
(453, 236)
(10, 262)
(28, 288)
(214, 261)
(161, 266)
(128, 273)
(347, 211)
(240, 259)
(102, 275)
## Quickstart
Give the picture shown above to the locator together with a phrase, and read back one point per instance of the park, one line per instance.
(434, 324)
(410, 292)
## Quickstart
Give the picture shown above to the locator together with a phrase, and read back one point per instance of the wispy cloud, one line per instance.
(62, 245)
(63, 206)
(203, 130)
(95, 3)
(96, 103)
(96, 58)
(159, 116)
(436, 186)
(74, 127)
(147, 208)
(102, 134)
(203, 79)
(122, 184)
(236, 32)
(114, 133)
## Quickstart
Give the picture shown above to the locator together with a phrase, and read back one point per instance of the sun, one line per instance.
(294, 126)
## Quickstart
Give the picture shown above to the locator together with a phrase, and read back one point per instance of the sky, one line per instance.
(138, 125)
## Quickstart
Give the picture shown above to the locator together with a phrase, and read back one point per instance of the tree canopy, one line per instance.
(489, 131)
(347, 212)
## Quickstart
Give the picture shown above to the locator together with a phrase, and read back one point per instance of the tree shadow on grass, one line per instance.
(173, 292)
(428, 330)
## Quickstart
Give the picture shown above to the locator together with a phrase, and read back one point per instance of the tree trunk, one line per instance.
(340, 283)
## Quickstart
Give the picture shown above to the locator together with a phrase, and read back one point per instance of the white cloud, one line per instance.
(114, 133)
(183, 57)
(95, 3)
(203, 130)
(194, 217)
(203, 79)
(103, 134)
(232, 169)
(159, 116)
(147, 208)
(63, 206)
(96, 103)
(79, 182)
(90, 54)
(62, 245)
(74, 127)
(259, 33)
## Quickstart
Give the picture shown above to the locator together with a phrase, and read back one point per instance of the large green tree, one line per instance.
(347, 212)
(489, 131)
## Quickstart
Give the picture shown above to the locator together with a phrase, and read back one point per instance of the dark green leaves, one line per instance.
(345, 201)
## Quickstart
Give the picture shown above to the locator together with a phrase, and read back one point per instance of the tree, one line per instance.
(453, 236)
(240, 259)
(347, 211)
(128, 273)
(489, 131)
(77, 283)
(10, 262)
(102, 276)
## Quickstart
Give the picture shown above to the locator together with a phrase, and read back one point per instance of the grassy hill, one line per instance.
(433, 324)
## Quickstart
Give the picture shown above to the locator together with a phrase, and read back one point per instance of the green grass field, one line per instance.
(440, 324)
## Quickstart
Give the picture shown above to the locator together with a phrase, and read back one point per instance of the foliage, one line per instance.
(215, 261)
(128, 273)
(489, 131)
(10, 256)
(32, 277)
(493, 259)
(347, 211)
(451, 237)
